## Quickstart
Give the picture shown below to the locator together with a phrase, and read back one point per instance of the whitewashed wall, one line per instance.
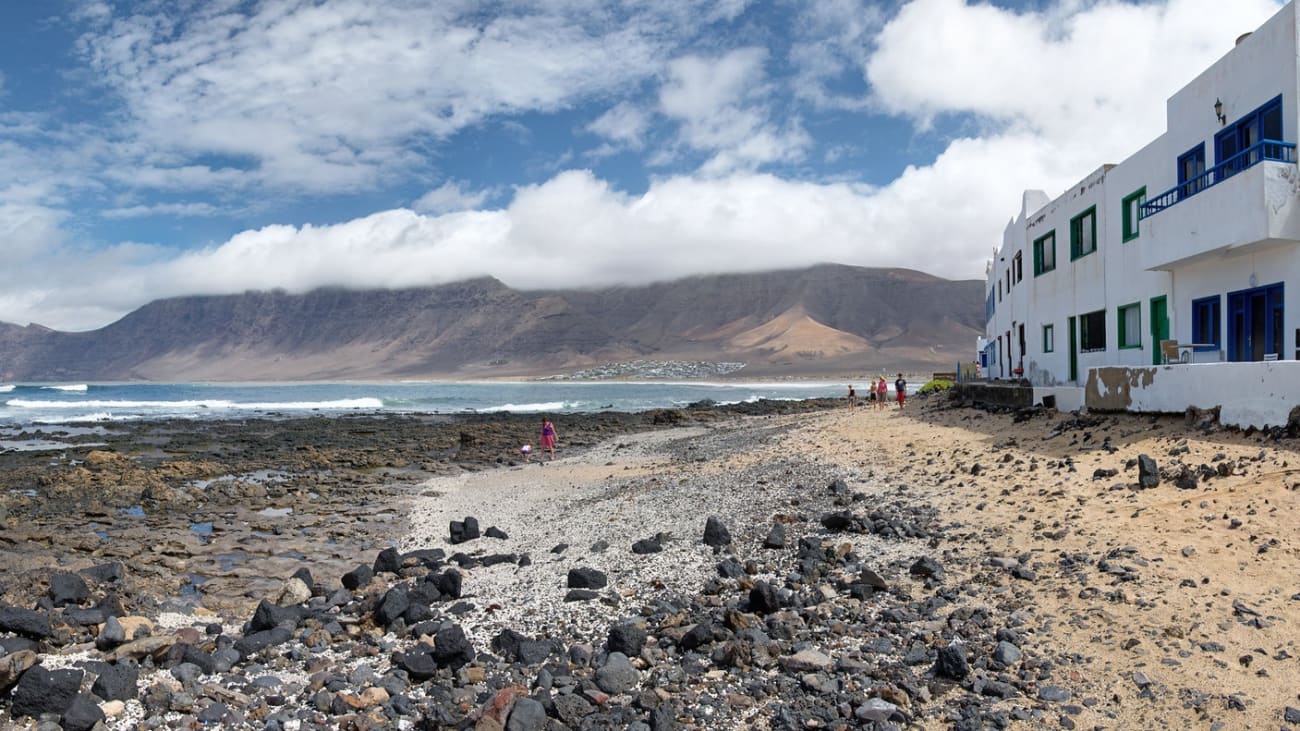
(1248, 394)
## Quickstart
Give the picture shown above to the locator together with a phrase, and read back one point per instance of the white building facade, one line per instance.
(1195, 238)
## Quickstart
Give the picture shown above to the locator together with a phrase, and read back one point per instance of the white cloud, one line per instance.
(448, 197)
(624, 123)
(722, 106)
(180, 210)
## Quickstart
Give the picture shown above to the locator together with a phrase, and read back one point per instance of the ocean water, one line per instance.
(24, 406)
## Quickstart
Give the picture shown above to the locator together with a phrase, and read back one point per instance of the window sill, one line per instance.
(1130, 347)
(1080, 256)
(1127, 239)
(1092, 350)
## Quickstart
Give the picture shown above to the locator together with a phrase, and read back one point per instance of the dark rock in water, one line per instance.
(358, 577)
(838, 522)
(763, 599)
(580, 595)
(715, 533)
(394, 604)
(775, 537)
(450, 582)
(526, 715)
(68, 589)
(44, 691)
(617, 674)
(251, 644)
(82, 714)
(268, 615)
(586, 578)
(389, 561)
(463, 530)
(926, 567)
(1148, 474)
(451, 649)
(647, 545)
(951, 662)
(627, 637)
(117, 682)
(495, 532)
(25, 622)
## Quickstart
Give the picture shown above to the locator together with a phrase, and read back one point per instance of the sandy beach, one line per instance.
(1021, 542)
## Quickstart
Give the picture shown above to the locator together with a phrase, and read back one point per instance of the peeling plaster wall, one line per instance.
(1249, 394)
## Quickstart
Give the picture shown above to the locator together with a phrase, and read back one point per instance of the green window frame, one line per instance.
(1129, 326)
(1049, 338)
(1132, 210)
(1083, 234)
(1045, 253)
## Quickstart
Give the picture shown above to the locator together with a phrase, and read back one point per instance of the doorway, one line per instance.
(1074, 350)
(1255, 318)
(1159, 326)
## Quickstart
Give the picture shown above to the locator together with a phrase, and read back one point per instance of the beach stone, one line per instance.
(697, 636)
(526, 715)
(106, 573)
(926, 567)
(82, 714)
(451, 648)
(763, 598)
(463, 530)
(68, 589)
(580, 595)
(357, 578)
(1053, 693)
(716, 533)
(117, 682)
(393, 605)
(418, 663)
(254, 643)
(775, 537)
(268, 615)
(1148, 474)
(25, 622)
(571, 709)
(838, 522)
(450, 583)
(295, 591)
(951, 662)
(495, 532)
(12, 667)
(617, 674)
(647, 546)
(586, 578)
(809, 661)
(389, 561)
(44, 691)
(875, 709)
(627, 637)
(1291, 715)
(213, 713)
(1007, 653)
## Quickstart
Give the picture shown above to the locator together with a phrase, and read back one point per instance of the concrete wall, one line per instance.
(1249, 394)
(1004, 394)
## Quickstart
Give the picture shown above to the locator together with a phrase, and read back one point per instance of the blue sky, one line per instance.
(170, 147)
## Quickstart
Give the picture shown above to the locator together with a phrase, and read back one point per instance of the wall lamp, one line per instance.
(1218, 112)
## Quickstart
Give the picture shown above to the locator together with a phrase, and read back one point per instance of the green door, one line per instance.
(1074, 351)
(1159, 326)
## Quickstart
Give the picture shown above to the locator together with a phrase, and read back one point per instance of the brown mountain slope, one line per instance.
(827, 319)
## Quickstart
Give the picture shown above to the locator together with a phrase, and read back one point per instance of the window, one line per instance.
(1205, 323)
(1190, 166)
(1092, 331)
(1049, 338)
(1264, 123)
(1132, 210)
(1130, 326)
(1018, 267)
(1045, 253)
(1083, 233)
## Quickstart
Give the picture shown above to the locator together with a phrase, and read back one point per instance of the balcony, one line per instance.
(1247, 158)
(1237, 211)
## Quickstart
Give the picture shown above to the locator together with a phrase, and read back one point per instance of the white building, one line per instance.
(1195, 238)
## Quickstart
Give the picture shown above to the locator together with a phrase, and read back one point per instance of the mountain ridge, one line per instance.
(827, 319)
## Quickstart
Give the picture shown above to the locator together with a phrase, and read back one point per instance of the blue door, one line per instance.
(1255, 323)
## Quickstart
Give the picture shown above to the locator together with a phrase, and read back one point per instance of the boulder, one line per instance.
(117, 682)
(463, 530)
(586, 578)
(68, 589)
(451, 648)
(716, 533)
(45, 691)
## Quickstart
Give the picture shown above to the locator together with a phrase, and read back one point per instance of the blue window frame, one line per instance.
(1255, 323)
(1190, 166)
(1206, 316)
(1258, 125)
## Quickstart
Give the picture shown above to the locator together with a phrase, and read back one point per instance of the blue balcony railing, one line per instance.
(1249, 157)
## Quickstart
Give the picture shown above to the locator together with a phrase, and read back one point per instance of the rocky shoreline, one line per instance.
(790, 570)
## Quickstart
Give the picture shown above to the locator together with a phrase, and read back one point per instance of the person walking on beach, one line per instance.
(881, 389)
(853, 397)
(547, 442)
(900, 388)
